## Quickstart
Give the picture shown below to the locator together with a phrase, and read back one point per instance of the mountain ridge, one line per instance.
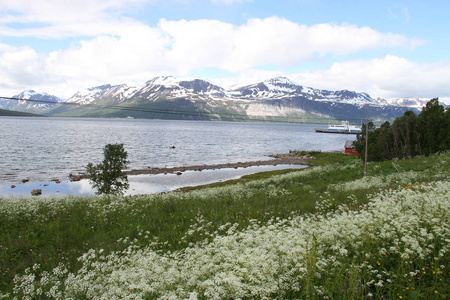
(41, 102)
(277, 97)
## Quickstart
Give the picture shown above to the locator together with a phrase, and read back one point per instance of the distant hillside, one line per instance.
(4, 112)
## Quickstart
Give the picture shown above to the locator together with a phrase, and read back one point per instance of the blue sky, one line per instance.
(389, 49)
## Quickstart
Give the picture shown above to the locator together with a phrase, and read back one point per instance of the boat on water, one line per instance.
(344, 127)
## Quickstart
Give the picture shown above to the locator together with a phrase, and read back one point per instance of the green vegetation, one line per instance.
(323, 232)
(409, 135)
(108, 176)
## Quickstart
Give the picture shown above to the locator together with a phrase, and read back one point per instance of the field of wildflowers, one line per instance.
(318, 233)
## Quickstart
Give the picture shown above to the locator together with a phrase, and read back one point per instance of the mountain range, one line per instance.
(276, 99)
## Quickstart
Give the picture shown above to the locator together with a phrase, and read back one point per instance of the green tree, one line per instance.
(108, 177)
(405, 134)
(445, 137)
(374, 152)
(432, 125)
(386, 141)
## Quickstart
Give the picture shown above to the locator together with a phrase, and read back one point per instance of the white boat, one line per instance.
(344, 127)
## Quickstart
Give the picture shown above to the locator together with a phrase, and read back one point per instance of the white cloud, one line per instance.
(122, 50)
(387, 77)
(260, 42)
(110, 57)
(20, 66)
(197, 44)
(55, 19)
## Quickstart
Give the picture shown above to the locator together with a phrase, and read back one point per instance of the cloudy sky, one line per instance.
(386, 48)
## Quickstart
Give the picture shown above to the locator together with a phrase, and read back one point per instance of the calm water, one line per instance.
(45, 148)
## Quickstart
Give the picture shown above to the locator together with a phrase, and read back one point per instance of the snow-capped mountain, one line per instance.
(170, 88)
(282, 87)
(30, 101)
(277, 98)
(406, 102)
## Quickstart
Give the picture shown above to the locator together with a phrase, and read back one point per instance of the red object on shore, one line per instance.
(349, 148)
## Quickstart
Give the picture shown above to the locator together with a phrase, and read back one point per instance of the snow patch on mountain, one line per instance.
(120, 93)
(89, 95)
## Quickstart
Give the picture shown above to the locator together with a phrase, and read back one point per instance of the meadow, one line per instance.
(324, 232)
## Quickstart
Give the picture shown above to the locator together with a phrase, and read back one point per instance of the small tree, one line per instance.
(108, 177)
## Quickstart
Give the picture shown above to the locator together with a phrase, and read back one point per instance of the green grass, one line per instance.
(46, 232)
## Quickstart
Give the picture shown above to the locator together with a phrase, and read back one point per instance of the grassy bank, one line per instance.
(321, 232)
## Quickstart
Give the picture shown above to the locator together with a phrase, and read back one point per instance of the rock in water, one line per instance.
(74, 177)
(36, 192)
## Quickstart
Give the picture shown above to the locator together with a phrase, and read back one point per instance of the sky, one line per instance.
(388, 49)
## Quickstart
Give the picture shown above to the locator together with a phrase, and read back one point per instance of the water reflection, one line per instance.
(139, 184)
(49, 189)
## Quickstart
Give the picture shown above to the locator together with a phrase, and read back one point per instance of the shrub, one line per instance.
(108, 177)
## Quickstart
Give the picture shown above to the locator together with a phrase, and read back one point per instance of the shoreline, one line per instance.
(277, 159)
